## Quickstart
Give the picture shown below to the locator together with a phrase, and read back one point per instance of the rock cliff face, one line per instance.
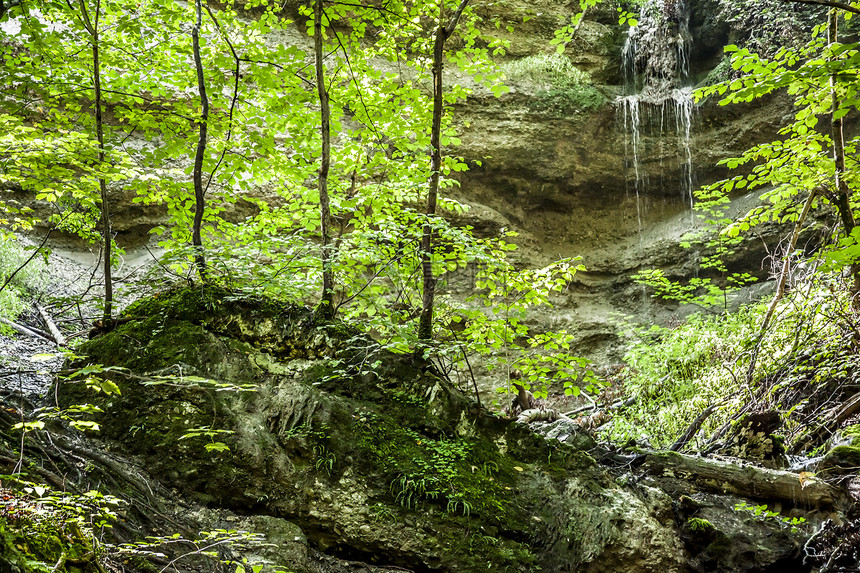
(563, 173)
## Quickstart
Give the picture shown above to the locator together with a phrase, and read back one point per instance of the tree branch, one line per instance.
(232, 101)
(830, 3)
(449, 29)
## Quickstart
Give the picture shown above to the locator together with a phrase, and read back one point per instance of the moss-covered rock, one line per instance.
(248, 405)
(34, 538)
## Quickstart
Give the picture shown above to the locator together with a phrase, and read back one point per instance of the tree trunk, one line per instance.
(199, 199)
(425, 325)
(326, 307)
(92, 27)
(843, 192)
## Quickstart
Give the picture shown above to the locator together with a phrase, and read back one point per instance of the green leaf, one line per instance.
(216, 447)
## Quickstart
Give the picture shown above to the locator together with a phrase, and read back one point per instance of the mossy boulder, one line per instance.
(252, 406)
(34, 539)
(843, 457)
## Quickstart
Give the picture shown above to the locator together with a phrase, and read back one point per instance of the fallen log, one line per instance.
(614, 406)
(52, 327)
(539, 415)
(743, 479)
(26, 330)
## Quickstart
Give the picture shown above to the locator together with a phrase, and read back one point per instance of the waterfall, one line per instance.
(657, 100)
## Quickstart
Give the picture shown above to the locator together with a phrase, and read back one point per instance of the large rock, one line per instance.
(368, 455)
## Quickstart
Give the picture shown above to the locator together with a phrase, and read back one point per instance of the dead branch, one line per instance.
(26, 330)
(832, 421)
(52, 327)
(693, 428)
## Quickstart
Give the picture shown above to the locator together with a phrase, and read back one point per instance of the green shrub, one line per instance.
(12, 255)
(563, 89)
(548, 71)
(567, 102)
(676, 373)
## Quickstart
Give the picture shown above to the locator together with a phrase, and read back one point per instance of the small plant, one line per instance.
(763, 513)
(382, 512)
(206, 431)
(325, 458)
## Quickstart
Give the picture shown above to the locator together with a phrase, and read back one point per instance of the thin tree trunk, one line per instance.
(425, 325)
(203, 123)
(843, 192)
(780, 287)
(326, 307)
(92, 27)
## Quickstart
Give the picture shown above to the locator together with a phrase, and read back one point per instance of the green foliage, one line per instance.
(12, 256)
(548, 71)
(45, 524)
(456, 474)
(565, 34)
(788, 169)
(495, 325)
(564, 103)
(379, 166)
(769, 25)
(763, 513)
(715, 239)
(318, 441)
(207, 432)
(676, 373)
(207, 548)
(564, 90)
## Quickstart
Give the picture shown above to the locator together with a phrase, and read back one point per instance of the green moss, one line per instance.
(568, 101)
(34, 540)
(721, 72)
(461, 476)
(842, 457)
(853, 433)
(697, 525)
(721, 546)
(484, 551)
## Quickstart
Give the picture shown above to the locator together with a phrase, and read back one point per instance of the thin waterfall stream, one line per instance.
(657, 105)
